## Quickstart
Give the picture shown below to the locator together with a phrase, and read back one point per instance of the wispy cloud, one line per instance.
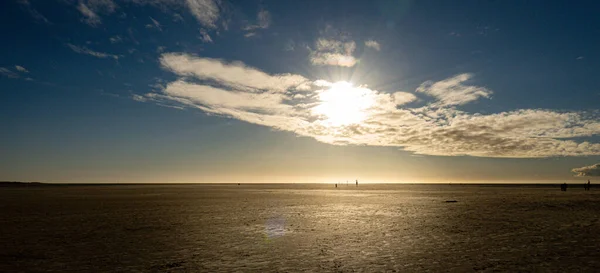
(8, 73)
(155, 24)
(21, 69)
(263, 21)
(290, 45)
(373, 44)
(454, 91)
(107, 6)
(26, 5)
(333, 52)
(205, 11)
(115, 39)
(90, 17)
(593, 170)
(139, 98)
(87, 51)
(236, 75)
(90, 9)
(204, 36)
(264, 18)
(342, 114)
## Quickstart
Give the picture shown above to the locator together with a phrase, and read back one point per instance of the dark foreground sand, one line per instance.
(291, 228)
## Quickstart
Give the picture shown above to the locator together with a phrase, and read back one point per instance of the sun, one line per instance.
(343, 104)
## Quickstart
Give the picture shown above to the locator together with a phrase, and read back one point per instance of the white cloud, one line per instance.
(593, 170)
(220, 98)
(21, 69)
(8, 73)
(335, 46)
(234, 74)
(205, 11)
(107, 6)
(91, 8)
(90, 17)
(341, 114)
(204, 36)
(333, 59)
(333, 52)
(373, 44)
(87, 51)
(115, 39)
(453, 91)
(263, 21)
(401, 98)
(522, 133)
(155, 24)
(139, 98)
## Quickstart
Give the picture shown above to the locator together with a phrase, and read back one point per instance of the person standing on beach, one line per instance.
(588, 185)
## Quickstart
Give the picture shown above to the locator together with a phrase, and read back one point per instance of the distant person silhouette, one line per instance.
(588, 185)
(357, 182)
(336, 185)
(563, 187)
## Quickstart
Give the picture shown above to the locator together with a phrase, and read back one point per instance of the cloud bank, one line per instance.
(593, 170)
(343, 114)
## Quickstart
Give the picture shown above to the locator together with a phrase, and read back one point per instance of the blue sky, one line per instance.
(298, 91)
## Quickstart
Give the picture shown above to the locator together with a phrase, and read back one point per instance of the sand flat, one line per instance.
(299, 228)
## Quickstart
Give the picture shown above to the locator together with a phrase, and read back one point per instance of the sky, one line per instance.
(178, 91)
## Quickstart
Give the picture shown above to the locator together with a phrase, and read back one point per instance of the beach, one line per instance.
(299, 228)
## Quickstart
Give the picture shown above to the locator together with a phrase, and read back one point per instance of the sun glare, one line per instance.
(343, 104)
